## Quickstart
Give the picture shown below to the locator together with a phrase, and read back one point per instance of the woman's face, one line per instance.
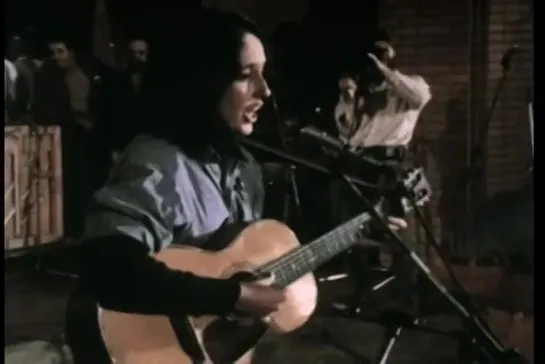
(244, 97)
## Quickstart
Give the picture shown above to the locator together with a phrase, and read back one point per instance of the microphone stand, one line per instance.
(531, 120)
(300, 161)
(290, 176)
(530, 168)
(477, 153)
(485, 347)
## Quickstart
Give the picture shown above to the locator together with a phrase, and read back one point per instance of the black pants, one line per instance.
(77, 157)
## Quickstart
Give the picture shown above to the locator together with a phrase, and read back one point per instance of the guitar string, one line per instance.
(300, 253)
(301, 250)
(302, 256)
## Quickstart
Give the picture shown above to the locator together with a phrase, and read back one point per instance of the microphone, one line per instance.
(382, 174)
(508, 55)
(346, 153)
(323, 138)
(343, 154)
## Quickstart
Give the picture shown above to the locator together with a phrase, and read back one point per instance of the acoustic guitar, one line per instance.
(261, 247)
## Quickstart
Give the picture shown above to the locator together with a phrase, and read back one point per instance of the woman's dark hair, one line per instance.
(187, 72)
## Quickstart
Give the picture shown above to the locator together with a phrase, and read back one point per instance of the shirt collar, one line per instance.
(228, 151)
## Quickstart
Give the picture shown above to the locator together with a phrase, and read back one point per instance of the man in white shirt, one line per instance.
(380, 106)
(377, 110)
(10, 91)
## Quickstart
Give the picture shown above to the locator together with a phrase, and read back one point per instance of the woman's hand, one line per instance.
(384, 51)
(260, 299)
(397, 223)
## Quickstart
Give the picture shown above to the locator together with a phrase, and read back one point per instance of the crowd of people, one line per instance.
(97, 106)
(93, 105)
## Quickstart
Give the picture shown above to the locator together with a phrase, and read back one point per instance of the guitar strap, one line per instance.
(187, 338)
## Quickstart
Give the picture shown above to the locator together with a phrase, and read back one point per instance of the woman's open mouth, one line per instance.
(252, 113)
(250, 117)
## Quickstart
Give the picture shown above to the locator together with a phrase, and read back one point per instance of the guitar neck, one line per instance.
(307, 258)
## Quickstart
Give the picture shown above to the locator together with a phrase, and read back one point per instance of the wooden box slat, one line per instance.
(11, 190)
(33, 212)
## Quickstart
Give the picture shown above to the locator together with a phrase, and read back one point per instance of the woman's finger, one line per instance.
(398, 222)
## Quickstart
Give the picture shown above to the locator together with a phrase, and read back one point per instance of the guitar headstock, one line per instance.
(418, 188)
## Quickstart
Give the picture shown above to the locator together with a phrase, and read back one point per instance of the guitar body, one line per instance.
(144, 339)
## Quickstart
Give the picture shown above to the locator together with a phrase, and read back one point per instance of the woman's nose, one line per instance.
(267, 91)
(264, 91)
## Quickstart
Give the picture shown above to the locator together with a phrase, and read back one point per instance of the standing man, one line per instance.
(62, 97)
(10, 91)
(19, 54)
(379, 106)
(377, 112)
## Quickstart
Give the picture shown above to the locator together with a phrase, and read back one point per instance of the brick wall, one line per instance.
(508, 141)
(457, 47)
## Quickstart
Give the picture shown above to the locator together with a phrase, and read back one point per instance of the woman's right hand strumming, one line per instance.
(259, 299)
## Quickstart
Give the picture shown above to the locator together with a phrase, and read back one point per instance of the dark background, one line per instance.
(330, 34)
(341, 18)
(455, 45)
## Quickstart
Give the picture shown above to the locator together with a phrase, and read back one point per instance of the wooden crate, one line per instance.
(33, 214)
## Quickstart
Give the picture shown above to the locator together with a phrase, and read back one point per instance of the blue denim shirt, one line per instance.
(158, 195)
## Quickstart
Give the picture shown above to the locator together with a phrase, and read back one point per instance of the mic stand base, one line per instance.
(396, 323)
(394, 331)
(469, 353)
(390, 338)
(482, 338)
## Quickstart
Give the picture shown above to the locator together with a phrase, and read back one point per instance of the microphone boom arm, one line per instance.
(299, 161)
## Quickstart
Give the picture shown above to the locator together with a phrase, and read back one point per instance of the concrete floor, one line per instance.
(35, 304)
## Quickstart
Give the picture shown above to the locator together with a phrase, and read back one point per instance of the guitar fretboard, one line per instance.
(308, 257)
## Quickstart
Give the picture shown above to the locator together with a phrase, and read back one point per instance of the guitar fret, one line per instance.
(308, 257)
